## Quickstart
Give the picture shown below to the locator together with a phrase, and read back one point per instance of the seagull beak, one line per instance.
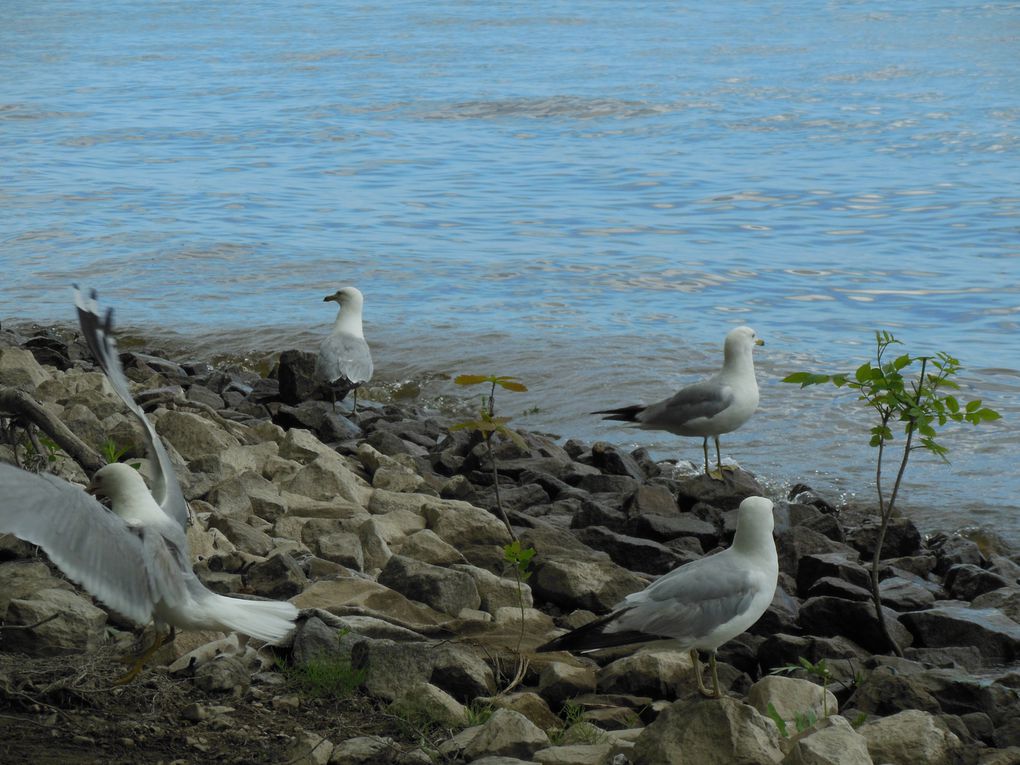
(759, 341)
(328, 298)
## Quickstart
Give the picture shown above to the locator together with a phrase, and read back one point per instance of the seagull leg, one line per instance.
(716, 474)
(704, 446)
(718, 459)
(139, 663)
(712, 693)
(354, 409)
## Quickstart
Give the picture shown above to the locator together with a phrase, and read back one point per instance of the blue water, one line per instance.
(587, 194)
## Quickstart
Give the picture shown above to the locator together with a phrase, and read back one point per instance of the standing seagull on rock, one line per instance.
(718, 405)
(136, 558)
(344, 362)
(699, 605)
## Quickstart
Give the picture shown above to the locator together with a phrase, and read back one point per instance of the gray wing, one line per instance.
(86, 541)
(344, 356)
(98, 334)
(700, 400)
(690, 601)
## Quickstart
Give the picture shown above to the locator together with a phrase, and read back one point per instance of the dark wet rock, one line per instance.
(460, 671)
(652, 499)
(644, 460)
(965, 581)
(608, 484)
(296, 374)
(550, 484)
(842, 656)
(965, 657)
(667, 528)
(50, 351)
(1006, 599)
(612, 461)
(961, 693)
(901, 538)
(559, 682)
(314, 639)
(592, 513)
(204, 395)
(781, 615)
(442, 588)
(633, 553)
(799, 543)
(904, 595)
(886, 692)
(512, 497)
(980, 726)
(841, 565)
(989, 630)
(805, 495)
(319, 417)
(952, 550)
(726, 494)
(853, 619)
(839, 588)
(918, 565)
(826, 525)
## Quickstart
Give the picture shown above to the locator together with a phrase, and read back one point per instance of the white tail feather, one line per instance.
(271, 621)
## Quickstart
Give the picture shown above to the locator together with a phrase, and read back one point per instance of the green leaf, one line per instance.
(902, 361)
(988, 415)
(952, 403)
(774, 715)
(973, 406)
(863, 373)
(511, 384)
(473, 379)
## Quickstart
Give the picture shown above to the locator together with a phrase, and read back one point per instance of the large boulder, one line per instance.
(443, 589)
(994, 634)
(830, 741)
(911, 737)
(65, 623)
(709, 732)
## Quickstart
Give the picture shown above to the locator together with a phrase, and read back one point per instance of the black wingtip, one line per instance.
(624, 413)
(594, 635)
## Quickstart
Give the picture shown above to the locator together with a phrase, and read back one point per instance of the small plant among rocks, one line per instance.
(488, 424)
(920, 403)
(325, 677)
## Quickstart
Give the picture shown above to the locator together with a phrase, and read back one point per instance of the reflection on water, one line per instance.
(588, 201)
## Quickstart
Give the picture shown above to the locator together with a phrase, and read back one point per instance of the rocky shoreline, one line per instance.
(382, 528)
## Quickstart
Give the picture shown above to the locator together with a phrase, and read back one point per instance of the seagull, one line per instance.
(718, 405)
(135, 559)
(698, 606)
(344, 361)
(97, 332)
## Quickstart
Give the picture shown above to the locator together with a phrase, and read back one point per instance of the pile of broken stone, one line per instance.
(382, 528)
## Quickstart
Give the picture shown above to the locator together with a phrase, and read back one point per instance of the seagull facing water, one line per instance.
(344, 361)
(699, 605)
(720, 404)
(135, 559)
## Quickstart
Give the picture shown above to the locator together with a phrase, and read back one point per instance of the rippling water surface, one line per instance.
(586, 194)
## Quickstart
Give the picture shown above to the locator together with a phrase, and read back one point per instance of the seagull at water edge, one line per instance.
(718, 405)
(344, 362)
(698, 606)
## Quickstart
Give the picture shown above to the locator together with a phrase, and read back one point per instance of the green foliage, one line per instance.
(920, 401)
(576, 730)
(819, 670)
(325, 677)
(111, 452)
(778, 720)
(478, 713)
(519, 558)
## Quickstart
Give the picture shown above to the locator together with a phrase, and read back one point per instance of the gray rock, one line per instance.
(661, 674)
(1006, 600)
(630, 552)
(66, 624)
(366, 750)
(559, 681)
(343, 547)
(839, 588)
(995, 635)
(226, 674)
(279, 577)
(853, 619)
(192, 435)
(710, 732)
(611, 460)
(830, 741)
(902, 594)
(242, 535)
(23, 578)
(950, 551)
(444, 589)
(965, 581)
(886, 692)
(663, 528)
(508, 734)
(901, 538)
(960, 693)
(460, 670)
(427, 547)
(841, 565)
(791, 696)
(594, 584)
(911, 737)
(652, 499)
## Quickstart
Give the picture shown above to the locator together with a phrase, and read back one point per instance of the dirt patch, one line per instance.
(66, 709)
